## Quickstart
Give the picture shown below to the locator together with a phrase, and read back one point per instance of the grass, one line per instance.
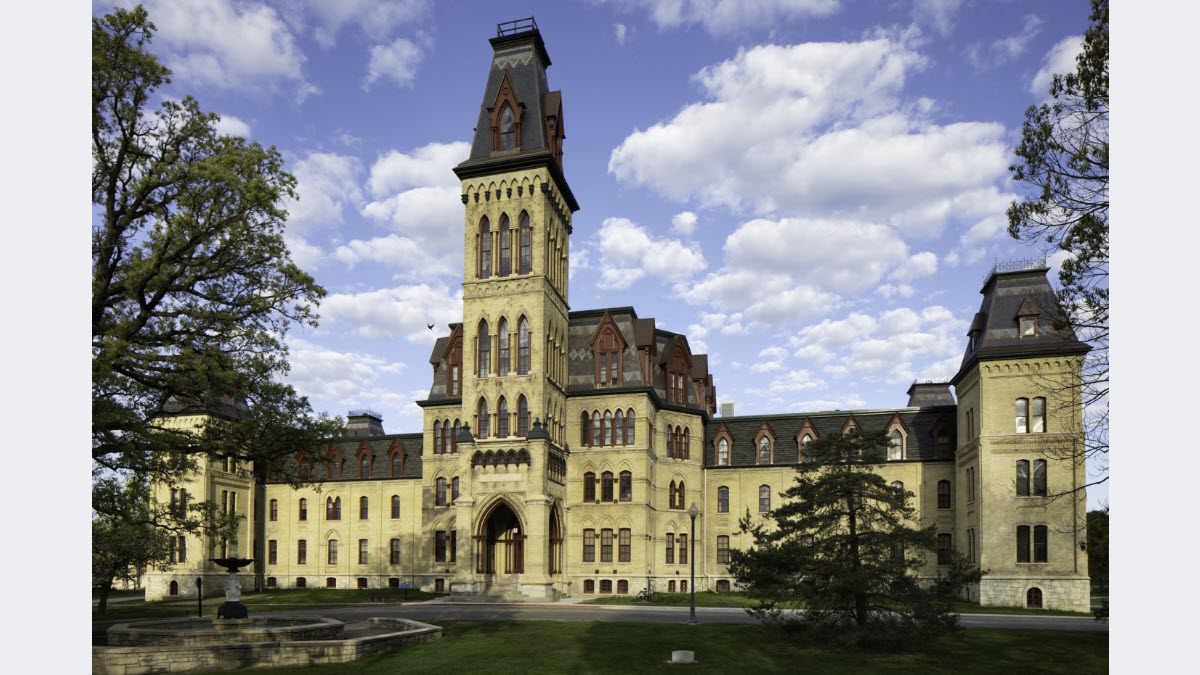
(603, 647)
(116, 593)
(734, 599)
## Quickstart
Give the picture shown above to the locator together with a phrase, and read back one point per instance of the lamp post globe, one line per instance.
(693, 512)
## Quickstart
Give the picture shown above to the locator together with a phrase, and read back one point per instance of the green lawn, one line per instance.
(604, 647)
(733, 599)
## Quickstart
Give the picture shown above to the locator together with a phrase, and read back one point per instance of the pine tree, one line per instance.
(843, 547)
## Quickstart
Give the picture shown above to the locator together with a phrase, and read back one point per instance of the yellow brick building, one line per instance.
(560, 450)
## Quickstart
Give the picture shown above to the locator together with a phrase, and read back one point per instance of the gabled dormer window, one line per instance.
(607, 346)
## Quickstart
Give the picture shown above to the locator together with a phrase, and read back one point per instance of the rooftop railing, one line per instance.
(518, 26)
(1021, 265)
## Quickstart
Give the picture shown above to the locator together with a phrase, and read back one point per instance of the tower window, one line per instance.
(485, 249)
(505, 246)
(502, 336)
(526, 235)
(485, 349)
(523, 346)
(508, 131)
(1028, 326)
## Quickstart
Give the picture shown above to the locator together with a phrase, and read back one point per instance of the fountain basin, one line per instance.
(186, 645)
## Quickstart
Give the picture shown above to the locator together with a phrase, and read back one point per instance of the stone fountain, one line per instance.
(232, 608)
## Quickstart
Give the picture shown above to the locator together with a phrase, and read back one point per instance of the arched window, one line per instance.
(589, 487)
(896, 445)
(671, 489)
(619, 428)
(395, 506)
(680, 498)
(523, 346)
(670, 441)
(484, 418)
(806, 451)
(174, 588)
(503, 362)
(597, 437)
(333, 508)
(1033, 598)
(485, 249)
(331, 558)
(453, 438)
(626, 486)
(508, 131)
(764, 450)
(606, 486)
(362, 508)
(485, 349)
(687, 445)
(438, 445)
(397, 464)
(764, 498)
(723, 452)
(1039, 477)
(585, 428)
(898, 485)
(523, 416)
(454, 489)
(607, 428)
(1022, 410)
(1022, 478)
(274, 510)
(303, 510)
(1038, 416)
(440, 495)
(502, 418)
(722, 499)
(505, 234)
(943, 494)
(630, 434)
(526, 234)
(364, 466)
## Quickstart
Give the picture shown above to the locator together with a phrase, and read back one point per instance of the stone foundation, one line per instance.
(1071, 595)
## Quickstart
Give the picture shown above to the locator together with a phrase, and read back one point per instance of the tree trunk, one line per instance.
(105, 589)
(860, 597)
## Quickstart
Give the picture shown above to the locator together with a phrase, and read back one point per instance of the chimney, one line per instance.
(726, 409)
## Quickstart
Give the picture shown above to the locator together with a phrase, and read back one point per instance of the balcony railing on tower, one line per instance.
(518, 26)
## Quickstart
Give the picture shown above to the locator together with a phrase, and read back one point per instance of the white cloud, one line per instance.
(796, 380)
(376, 18)
(684, 223)
(848, 402)
(401, 311)
(771, 360)
(326, 183)
(326, 373)
(1060, 60)
(621, 33)
(628, 252)
(779, 284)
(397, 61)
(580, 259)
(920, 265)
(892, 347)
(232, 126)
(307, 256)
(416, 195)
(225, 44)
(830, 139)
(938, 13)
(1005, 49)
(725, 16)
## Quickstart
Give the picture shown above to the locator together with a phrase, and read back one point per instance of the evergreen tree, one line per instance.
(843, 547)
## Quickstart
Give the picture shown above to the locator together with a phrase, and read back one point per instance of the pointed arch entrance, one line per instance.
(555, 559)
(500, 541)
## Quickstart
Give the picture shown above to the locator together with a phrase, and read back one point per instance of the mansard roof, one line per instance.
(920, 424)
(1007, 295)
(522, 58)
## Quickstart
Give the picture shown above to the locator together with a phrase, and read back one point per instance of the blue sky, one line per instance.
(811, 190)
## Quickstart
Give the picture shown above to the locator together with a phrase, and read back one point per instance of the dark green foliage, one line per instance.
(193, 289)
(842, 547)
(1062, 158)
(127, 543)
(1097, 552)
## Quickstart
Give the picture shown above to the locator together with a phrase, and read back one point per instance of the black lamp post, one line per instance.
(693, 512)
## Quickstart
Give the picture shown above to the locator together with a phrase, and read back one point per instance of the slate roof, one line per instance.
(215, 405)
(522, 56)
(379, 446)
(929, 393)
(1006, 296)
(921, 423)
